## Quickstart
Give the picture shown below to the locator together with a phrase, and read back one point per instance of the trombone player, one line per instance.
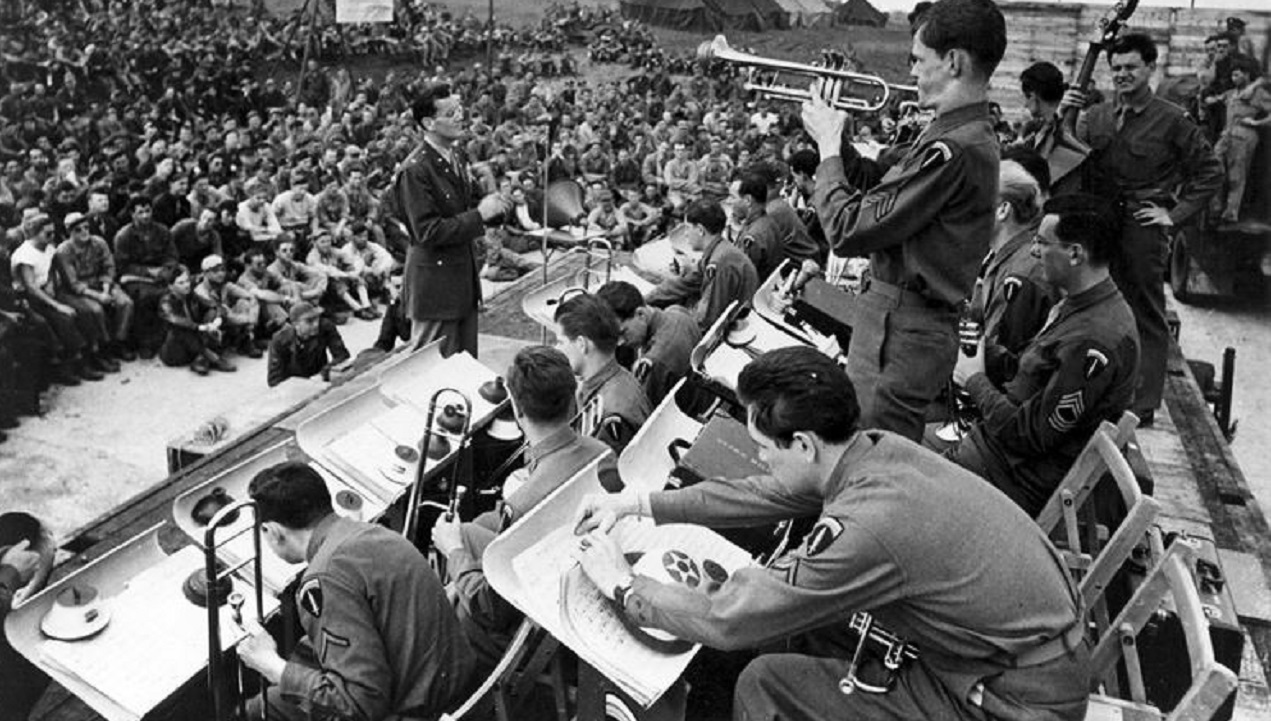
(926, 225)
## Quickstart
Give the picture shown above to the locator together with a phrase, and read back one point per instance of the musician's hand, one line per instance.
(1152, 214)
(1073, 98)
(602, 561)
(599, 511)
(446, 536)
(493, 206)
(824, 123)
(259, 652)
(968, 366)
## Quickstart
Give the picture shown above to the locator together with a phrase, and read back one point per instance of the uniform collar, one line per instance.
(1135, 104)
(1093, 295)
(710, 251)
(557, 441)
(858, 446)
(957, 116)
(593, 384)
(1023, 238)
(319, 535)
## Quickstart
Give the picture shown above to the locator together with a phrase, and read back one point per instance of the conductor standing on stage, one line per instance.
(926, 226)
(435, 198)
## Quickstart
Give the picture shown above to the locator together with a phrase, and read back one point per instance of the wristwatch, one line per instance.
(621, 590)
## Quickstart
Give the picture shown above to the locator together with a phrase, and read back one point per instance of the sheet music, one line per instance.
(562, 599)
(156, 639)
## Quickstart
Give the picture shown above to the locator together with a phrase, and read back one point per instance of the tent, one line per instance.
(708, 15)
(859, 12)
(676, 14)
(805, 13)
(751, 15)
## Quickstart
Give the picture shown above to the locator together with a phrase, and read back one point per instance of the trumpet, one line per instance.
(837, 83)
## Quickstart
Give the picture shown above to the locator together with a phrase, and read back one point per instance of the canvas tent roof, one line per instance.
(859, 12)
(805, 13)
(707, 15)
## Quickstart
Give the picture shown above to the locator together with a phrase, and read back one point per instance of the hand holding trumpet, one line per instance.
(823, 122)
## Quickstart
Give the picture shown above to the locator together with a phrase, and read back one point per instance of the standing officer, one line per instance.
(1078, 371)
(926, 225)
(1000, 635)
(381, 639)
(432, 197)
(1142, 149)
(664, 338)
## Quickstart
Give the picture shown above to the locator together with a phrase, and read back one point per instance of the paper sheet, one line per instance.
(156, 639)
(580, 616)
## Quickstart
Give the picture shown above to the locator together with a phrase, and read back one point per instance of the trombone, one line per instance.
(214, 575)
(456, 491)
(836, 81)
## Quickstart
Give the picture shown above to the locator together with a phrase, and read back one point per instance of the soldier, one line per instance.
(381, 639)
(1011, 297)
(541, 385)
(664, 338)
(1149, 155)
(719, 273)
(89, 267)
(1080, 370)
(1000, 639)
(587, 332)
(757, 235)
(926, 225)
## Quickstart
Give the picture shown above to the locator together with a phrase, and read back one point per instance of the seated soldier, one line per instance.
(344, 275)
(605, 221)
(718, 272)
(303, 282)
(380, 639)
(377, 262)
(1011, 298)
(999, 633)
(90, 274)
(145, 256)
(273, 294)
(36, 274)
(187, 340)
(757, 234)
(664, 338)
(307, 346)
(587, 331)
(218, 298)
(1078, 371)
(541, 385)
(640, 217)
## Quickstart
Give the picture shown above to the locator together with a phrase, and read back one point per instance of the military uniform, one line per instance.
(797, 243)
(1141, 155)
(624, 407)
(926, 228)
(726, 275)
(487, 619)
(760, 240)
(664, 358)
(1010, 302)
(1238, 143)
(1081, 369)
(1001, 631)
(381, 640)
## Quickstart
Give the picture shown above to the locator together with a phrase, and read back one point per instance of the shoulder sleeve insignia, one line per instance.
(936, 154)
(1095, 362)
(711, 270)
(1010, 288)
(310, 597)
(745, 242)
(1067, 412)
(823, 534)
(641, 369)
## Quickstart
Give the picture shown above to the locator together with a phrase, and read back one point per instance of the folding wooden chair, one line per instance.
(1117, 649)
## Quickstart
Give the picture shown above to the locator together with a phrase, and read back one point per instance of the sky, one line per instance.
(906, 5)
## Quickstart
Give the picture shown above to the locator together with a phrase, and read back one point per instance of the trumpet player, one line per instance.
(926, 225)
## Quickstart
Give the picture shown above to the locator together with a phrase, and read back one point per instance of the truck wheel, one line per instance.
(1179, 267)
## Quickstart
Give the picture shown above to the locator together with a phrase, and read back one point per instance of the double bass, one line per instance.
(1058, 141)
